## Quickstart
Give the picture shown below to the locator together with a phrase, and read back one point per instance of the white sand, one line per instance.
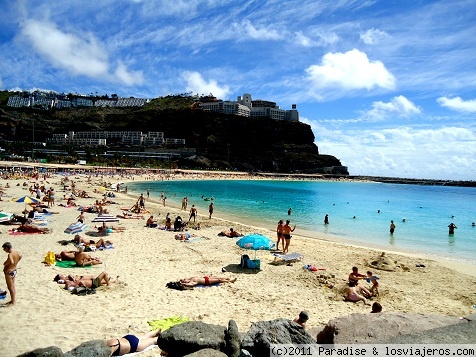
(146, 259)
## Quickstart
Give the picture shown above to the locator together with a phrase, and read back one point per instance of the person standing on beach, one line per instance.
(326, 219)
(141, 201)
(210, 210)
(287, 235)
(392, 227)
(10, 270)
(193, 213)
(279, 233)
(452, 227)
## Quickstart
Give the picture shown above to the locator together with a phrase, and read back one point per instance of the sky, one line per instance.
(388, 87)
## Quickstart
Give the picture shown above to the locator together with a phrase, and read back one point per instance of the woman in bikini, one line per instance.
(279, 233)
(131, 343)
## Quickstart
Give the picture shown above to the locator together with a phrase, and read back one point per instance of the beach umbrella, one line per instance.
(5, 217)
(255, 242)
(105, 218)
(26, 199)
(75, 228)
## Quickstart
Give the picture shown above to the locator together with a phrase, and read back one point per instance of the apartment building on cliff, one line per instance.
(247, 107)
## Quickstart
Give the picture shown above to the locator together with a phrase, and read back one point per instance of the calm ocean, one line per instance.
(428, 211)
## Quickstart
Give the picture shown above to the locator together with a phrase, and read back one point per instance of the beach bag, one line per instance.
(244, 261)
(50, 258)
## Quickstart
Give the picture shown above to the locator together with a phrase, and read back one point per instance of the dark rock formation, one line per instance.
(207, 352)
(224, 141)
(264, 333)
(373, 328)
(232, 340)
(463, 333)
(96, 348)
(51, 351)
(190, 337)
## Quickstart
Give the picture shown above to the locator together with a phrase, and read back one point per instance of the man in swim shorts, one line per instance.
(131, 343)
(10, 269)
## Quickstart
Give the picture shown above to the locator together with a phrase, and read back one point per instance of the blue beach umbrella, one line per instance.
(75, 228)
(255, 242)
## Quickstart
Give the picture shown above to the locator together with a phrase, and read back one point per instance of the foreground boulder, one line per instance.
(372, 328)
(463, 333)
(51, 351)
(96, 348)
(189, 337)
(264, 333)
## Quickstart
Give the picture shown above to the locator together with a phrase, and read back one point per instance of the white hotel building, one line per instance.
(247, 107)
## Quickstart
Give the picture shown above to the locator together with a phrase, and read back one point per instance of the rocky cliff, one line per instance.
(221, 141)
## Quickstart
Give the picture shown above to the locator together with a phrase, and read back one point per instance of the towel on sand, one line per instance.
(167, 323)
(69, 264)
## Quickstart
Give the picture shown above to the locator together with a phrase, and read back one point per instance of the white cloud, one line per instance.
(373, 36)
(323, 39)
(458, 104)
(196, 84)
(349, 71)
(438, 153)
(398, 106)
(260, 34)
(80, 56)
(126, 77)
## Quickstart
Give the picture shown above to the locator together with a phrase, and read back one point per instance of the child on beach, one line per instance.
(373, 279)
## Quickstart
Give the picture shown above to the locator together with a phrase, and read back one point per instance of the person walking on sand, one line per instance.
(193, 213)
(10, 270)
(392, 227)
(210, 210)
(279, 234)
(287, 235)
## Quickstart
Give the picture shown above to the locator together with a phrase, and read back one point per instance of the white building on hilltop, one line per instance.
(246, 106)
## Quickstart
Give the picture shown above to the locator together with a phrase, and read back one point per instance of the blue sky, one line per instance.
(388, 87)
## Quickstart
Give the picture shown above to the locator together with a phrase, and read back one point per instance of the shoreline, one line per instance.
(146, 259)
(460, 264)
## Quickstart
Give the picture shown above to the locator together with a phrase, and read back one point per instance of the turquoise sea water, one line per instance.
(428, 210)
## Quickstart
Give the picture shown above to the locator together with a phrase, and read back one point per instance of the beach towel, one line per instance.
(193, 240)
(200, 286)
(136, 353)
(69, 264)
(16, 233)
(167, 323)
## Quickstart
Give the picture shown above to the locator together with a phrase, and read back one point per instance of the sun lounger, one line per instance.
(287, 258)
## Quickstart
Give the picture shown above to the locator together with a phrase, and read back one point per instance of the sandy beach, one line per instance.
(145, 259)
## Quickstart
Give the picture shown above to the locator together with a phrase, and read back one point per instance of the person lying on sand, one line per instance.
(66, 255)
(205, 280)
(88, 242)
(131, 343)
(231, 234)
(30, 228)
(184, 236)
(353, 293)
(88, 281)
(82, 259)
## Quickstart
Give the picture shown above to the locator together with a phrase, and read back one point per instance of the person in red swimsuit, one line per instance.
(205, 280)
